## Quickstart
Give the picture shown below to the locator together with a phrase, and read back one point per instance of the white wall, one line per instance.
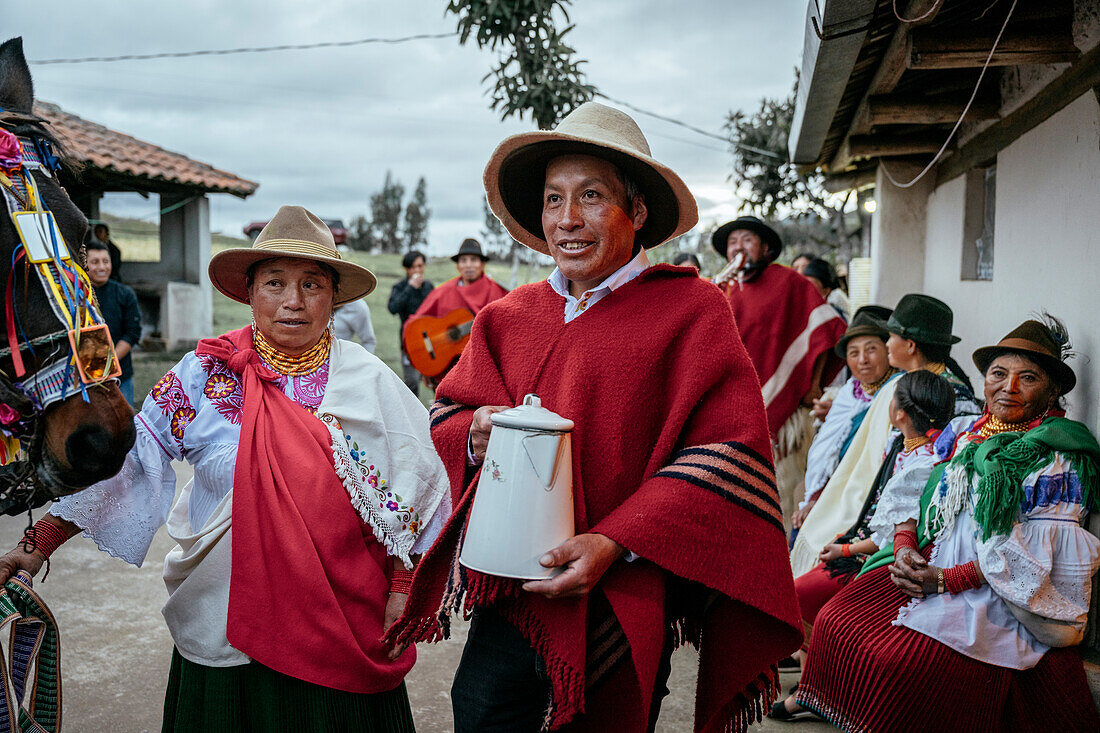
(1046, 251)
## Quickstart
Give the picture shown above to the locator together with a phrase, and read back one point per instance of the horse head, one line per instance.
(80, 436)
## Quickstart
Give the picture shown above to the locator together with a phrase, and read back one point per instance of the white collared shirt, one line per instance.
(576, 306)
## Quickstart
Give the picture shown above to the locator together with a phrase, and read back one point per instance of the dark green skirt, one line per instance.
(253, 698)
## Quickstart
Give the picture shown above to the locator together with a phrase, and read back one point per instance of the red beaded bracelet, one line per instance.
(846, 550)
(961, 577)
(401, 581)
(45, 537)
(905, 538)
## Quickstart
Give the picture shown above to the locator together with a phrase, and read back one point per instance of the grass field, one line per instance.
(228, 315)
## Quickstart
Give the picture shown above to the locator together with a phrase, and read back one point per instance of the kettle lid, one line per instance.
(531, 415)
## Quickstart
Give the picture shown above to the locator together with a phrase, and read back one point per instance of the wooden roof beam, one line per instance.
(887, 146)
(935, 50)
(893, 110)
(886, 77)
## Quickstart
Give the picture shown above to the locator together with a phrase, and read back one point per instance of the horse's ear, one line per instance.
(16, 87)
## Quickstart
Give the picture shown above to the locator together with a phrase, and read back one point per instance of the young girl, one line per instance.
(922, 405)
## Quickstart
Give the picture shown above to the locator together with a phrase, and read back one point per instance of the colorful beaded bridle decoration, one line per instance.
(79, 354)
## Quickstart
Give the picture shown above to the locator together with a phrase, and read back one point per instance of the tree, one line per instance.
(417, 214)
(359, 235)
(385, 209)
(536, 72)
(770, 184)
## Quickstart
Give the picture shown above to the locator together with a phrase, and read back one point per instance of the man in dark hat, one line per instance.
(789, 331)
(472, 289)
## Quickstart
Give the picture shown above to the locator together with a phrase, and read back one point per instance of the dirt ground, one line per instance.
(115, 648)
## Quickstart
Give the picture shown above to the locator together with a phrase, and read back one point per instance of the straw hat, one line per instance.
(292, 232)
(516, 172)
(1035, 341)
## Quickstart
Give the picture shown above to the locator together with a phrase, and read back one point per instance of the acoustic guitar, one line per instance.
(433, 343)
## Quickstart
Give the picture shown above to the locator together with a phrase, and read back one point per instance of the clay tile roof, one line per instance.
(104, 150)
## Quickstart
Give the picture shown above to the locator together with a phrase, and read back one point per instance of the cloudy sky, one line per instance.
(321, 127)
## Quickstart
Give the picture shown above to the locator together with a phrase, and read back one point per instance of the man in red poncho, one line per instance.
(679, 533)
(472, 289)
(789, 331)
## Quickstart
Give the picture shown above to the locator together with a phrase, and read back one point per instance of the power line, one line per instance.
(693, 128)
(256, 49)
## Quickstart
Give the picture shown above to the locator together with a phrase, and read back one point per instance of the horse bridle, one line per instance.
(55, 379)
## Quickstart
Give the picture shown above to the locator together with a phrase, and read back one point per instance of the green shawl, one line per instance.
(1002, 462)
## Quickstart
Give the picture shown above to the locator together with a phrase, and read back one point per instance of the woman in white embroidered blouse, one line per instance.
(315, 484)
(993, 587)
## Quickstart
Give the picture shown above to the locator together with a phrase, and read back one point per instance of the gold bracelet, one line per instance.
(939, 582)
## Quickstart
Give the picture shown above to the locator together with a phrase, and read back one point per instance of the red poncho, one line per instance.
(670, 460)
(785, 325)
(448, 296)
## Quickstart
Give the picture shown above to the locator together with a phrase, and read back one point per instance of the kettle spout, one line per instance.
(542, 451)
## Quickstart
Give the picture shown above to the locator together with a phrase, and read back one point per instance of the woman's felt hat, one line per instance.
(470, 246)
(923, 319)
(867, 321)
(767, 235)
(1036, 342)
(516, 173)
(292, 232)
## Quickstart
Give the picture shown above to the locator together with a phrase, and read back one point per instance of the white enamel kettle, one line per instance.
(524, 501)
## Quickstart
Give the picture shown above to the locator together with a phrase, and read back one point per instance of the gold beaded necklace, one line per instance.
(995, 425)
(292, 366)
(870, 390)
(915, 442)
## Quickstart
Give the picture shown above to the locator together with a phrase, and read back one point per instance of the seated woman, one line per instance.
(970, 625)
(315, 482)
(920, 338)
(863, 348)
(922, 405)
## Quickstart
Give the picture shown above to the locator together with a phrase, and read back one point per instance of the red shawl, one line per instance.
(449, 296)
(307, 589)
(670, 460)
(785, 325)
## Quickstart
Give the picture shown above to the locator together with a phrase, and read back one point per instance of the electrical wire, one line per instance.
(931, 11)
(973, 96)
(255, 49)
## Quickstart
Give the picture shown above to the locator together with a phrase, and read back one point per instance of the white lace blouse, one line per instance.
(1038, 576)
(192, 414)
(900, 498)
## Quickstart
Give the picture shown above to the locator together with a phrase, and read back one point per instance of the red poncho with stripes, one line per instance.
(450, 295)
(785, 325)
(670, 460)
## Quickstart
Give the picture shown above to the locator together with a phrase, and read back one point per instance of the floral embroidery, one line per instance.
(169, 395)
(494, 469)
(309, 389)
(223, 389)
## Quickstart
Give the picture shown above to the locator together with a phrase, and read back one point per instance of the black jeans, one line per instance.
(501, 684)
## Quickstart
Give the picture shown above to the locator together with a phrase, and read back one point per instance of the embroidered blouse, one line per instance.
(1038, 576)
(900, 499)
(193, 414)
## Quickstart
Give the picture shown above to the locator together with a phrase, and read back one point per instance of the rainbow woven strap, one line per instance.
(34, 643)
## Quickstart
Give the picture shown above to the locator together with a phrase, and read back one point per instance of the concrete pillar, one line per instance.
(897, 234)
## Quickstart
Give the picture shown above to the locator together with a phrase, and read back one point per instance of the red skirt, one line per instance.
(815, 588)
(863, 674)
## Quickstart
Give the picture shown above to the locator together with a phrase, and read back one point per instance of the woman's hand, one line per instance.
(801, 513)
(821, 408)
(395, 606)
(17, 559)
(912, 573)
(832, 551)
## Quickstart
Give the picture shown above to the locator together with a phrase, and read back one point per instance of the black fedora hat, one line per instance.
(923, 319)
(470, 246)
(767, 235)
(1034, 341)
(867, 321)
